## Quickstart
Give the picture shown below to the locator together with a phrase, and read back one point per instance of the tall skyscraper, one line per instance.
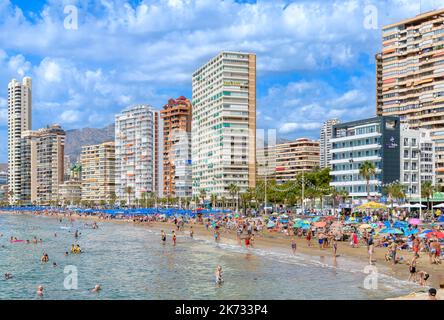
(224, 124)
(19, 120)
(379, 95)
(136, 152)
(98, 172)
(42, 165)
(325, 143)
(176, 115)
(413, 76)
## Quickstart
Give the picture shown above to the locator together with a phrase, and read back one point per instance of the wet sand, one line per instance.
(280, 241)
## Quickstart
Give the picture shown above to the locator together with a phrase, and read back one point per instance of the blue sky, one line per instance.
(315, 58)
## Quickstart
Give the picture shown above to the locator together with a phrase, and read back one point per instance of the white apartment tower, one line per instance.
(135, 138)
(224, 124)
(325, 142)
(19, 120)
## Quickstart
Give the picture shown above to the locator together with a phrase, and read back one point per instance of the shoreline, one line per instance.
(280, 243)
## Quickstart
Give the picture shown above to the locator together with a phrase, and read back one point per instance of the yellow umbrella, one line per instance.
(371, 205)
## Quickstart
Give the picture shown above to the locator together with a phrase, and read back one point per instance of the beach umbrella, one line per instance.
(400, 224)
(270, 224)
(441, 205)
(414, 221)
(320, 224)
(371, 205)
(437, 234)
(417, 205)
(441, 219)
(391, 231)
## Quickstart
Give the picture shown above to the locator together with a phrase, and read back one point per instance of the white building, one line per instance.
(325, 142)
(417, 157)
(224, 124)
(136, 138)
(19, 120)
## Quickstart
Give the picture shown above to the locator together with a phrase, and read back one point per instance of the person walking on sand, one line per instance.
(308, 237)
(191, 232)
(335, 248)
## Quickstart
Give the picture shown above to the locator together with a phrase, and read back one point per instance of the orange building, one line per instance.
(176, 115)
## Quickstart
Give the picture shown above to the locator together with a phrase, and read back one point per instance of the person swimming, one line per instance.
(77, 249)
(8, 276)
(45, 257)
(73, 249)
(40, 291)
(96, 288)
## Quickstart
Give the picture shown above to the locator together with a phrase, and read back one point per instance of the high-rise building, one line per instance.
(325, 143)
(379, 81)
(375, 140)
(417, 159)
(295, 157)
(98, 172)
(223, 131)
(19, 120)
(176, 115)
(413, 76)
(136, 153)
(42, 165)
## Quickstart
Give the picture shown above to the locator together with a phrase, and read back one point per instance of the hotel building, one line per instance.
(399, 153)
(224, 124)
(42, 165)
(176, 116)
(98, 172)
(325, 142)
(417, 159)
(19, 120)
(413, 76)
(137, 136)
(295, 157)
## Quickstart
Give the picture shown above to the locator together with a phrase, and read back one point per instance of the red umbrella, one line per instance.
(320, 224)
(437, 234)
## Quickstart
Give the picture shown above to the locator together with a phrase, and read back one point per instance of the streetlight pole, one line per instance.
(419, 179)
(303, 192)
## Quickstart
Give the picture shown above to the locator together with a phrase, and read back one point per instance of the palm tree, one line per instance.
(203, 195)
(427, 190)
(367, 170)
(223, 201)
(214, 200)
(129, 191)
(233, 189)
(395, 190)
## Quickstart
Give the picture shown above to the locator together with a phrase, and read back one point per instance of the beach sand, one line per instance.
(280, 241)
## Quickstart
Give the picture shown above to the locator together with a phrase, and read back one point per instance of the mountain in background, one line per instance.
(76, 138)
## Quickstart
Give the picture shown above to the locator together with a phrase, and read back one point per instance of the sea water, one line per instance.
(130, 262)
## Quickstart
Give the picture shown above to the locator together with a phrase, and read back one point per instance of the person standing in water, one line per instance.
(40, 291)
(163, 236)
(218, 275)
(191, 232)
(174, 238)
(293, 245)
